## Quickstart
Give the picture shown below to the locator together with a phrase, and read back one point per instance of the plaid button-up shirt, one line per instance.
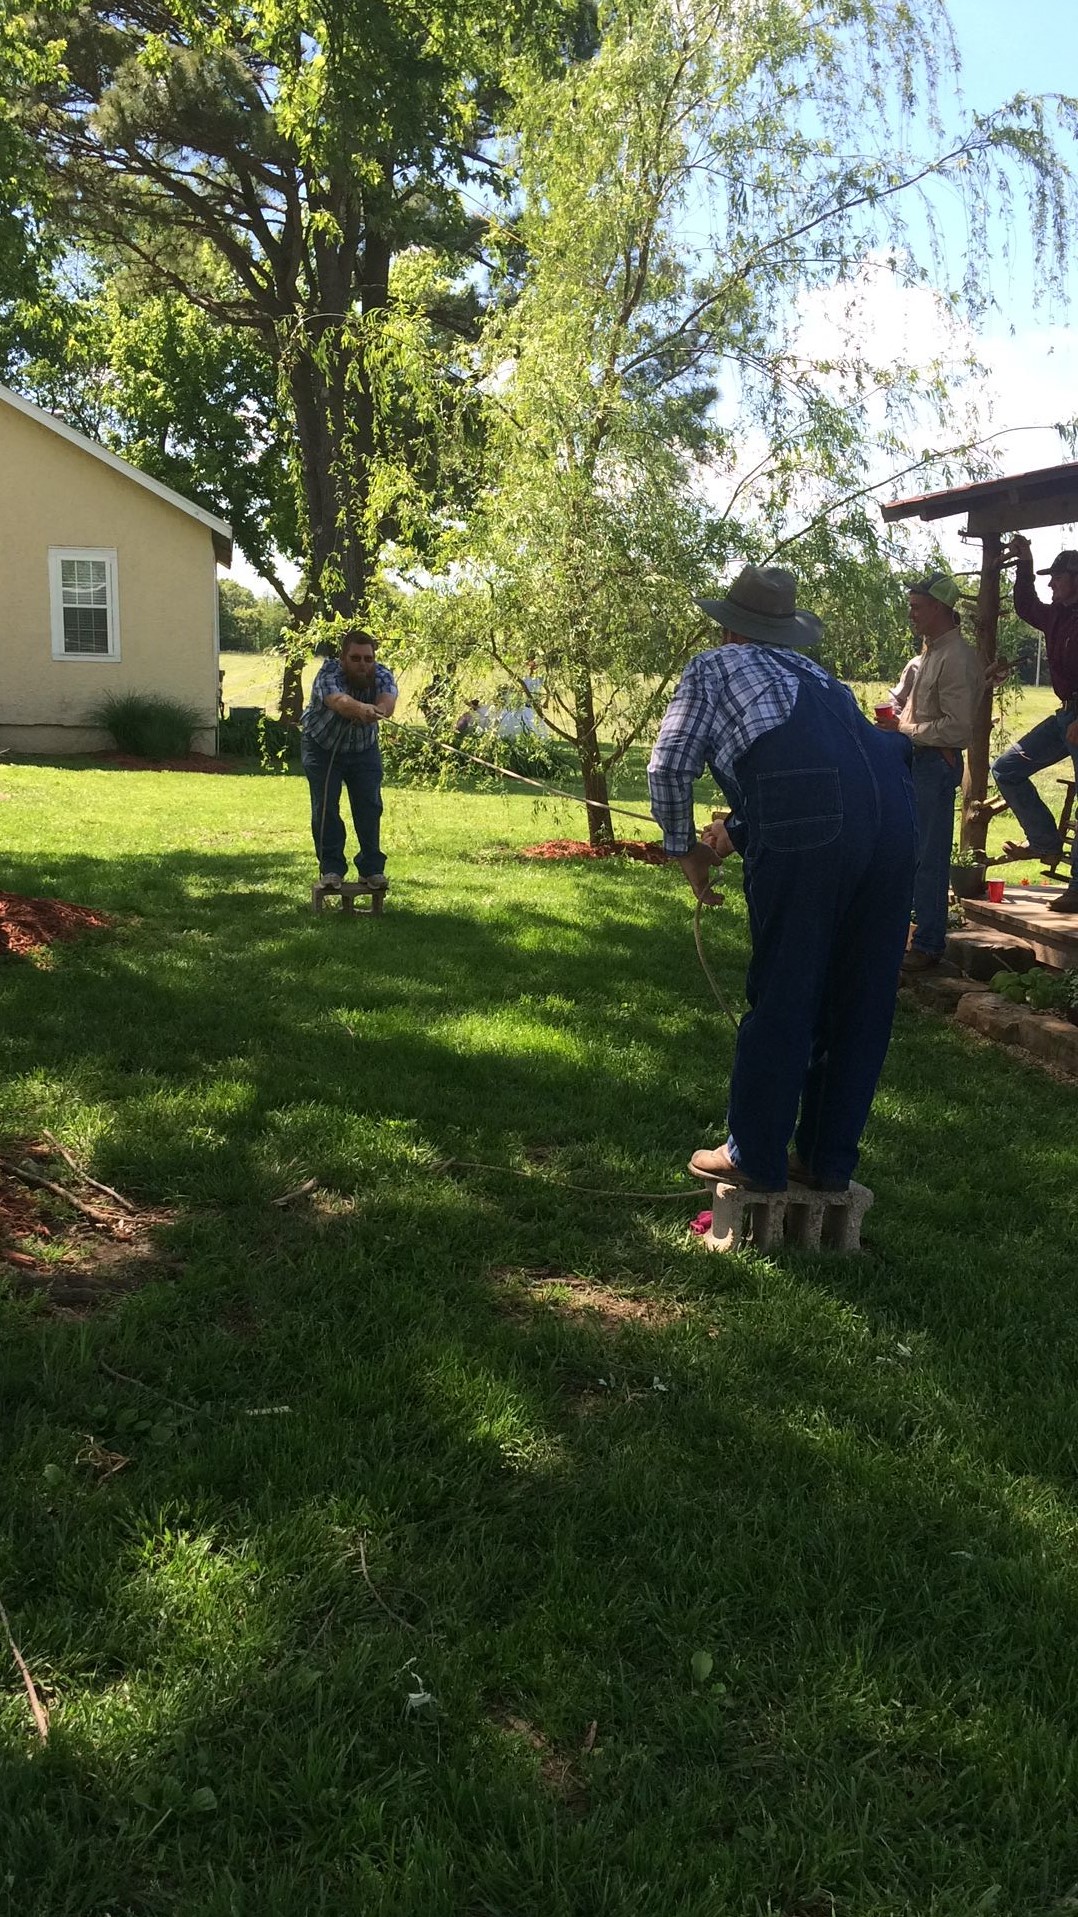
(326, 728)
(725, 700)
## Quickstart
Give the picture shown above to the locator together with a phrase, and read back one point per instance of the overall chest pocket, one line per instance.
(799, 811)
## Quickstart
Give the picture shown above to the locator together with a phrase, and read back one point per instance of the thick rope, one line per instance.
(554, 792)
(708, 973)
(537, 785)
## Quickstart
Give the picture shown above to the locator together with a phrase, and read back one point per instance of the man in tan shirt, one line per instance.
(938, 719)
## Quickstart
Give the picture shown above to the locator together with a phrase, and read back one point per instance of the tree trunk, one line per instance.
(334, 431)
(600, 824)
(975, 816)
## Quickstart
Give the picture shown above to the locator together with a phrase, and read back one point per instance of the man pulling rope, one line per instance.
(350, 697)
(823, 817)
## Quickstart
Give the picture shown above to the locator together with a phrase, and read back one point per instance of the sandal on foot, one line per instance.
(1015, 854)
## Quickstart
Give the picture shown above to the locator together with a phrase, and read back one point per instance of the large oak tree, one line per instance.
(300, 175)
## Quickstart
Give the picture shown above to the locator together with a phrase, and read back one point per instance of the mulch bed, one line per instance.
(27, 924)
(194, 762)
(648, 851)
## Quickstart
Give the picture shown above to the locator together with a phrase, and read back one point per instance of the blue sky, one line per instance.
(1008, 48)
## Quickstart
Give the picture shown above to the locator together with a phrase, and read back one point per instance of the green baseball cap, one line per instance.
(938, 585)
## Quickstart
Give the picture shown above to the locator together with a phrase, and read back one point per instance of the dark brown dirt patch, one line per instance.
(558, 1769)
(571, 1296)
(71, 1262)
(648, 851)
(28, 924)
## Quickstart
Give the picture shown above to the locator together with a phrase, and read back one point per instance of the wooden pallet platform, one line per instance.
(1024, 914)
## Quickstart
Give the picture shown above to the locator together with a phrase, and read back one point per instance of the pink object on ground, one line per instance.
(994, 891)
(701, 1224)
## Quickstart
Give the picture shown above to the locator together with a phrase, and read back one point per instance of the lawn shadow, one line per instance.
(836, 1478)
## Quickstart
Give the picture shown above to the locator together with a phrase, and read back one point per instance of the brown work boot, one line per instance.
(719, 1164)
(1066, 902)
(918, 961)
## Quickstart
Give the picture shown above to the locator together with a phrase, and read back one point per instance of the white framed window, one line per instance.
(84, 601)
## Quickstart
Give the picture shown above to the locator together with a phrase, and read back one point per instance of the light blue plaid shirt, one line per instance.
(327, 729)
(725, 700)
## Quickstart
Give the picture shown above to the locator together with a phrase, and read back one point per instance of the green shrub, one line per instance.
(1041, 990)
(248, 733)
(147, 726)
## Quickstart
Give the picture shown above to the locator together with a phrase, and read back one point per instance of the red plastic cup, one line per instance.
(994, 891)
(885, 712)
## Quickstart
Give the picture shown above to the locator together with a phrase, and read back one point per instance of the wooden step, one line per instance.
(1024, 914)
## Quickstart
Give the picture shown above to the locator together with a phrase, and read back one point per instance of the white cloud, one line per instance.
(1030, 381)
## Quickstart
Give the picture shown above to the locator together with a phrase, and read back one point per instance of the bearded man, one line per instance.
(349, 698)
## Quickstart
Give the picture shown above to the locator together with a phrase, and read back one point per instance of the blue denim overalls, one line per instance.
(825, 819)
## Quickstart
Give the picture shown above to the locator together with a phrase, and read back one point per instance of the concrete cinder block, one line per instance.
(798, 1219)
(348, 892)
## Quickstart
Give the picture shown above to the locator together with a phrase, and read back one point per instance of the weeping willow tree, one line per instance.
(653, 405)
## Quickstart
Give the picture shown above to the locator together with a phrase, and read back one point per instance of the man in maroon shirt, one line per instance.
(1056, 737)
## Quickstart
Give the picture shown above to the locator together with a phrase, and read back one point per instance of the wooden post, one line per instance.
(985, 626)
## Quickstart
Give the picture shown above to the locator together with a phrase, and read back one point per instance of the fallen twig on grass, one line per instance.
(107, 1190)
(376, 1595)
(40, 1714)
(59, 1191)
(301, 1191)
(141, 1385)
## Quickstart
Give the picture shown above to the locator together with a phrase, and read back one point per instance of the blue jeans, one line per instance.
(828, 810)
(935, 783)
(361, 778)
(1013, 773)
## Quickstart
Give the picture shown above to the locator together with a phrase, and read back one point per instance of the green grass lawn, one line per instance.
(851, 1483)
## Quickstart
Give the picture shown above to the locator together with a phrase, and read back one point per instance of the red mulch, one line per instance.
(648, 851)
(194, 762)
(26, 924)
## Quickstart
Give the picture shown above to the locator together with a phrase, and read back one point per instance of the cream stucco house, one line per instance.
(108, 583)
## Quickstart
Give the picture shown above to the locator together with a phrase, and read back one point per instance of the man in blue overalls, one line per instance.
(824, 820)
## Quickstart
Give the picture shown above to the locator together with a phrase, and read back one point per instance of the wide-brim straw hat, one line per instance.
(761, 605)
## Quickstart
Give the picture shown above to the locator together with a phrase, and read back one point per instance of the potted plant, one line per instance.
(967, 873)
